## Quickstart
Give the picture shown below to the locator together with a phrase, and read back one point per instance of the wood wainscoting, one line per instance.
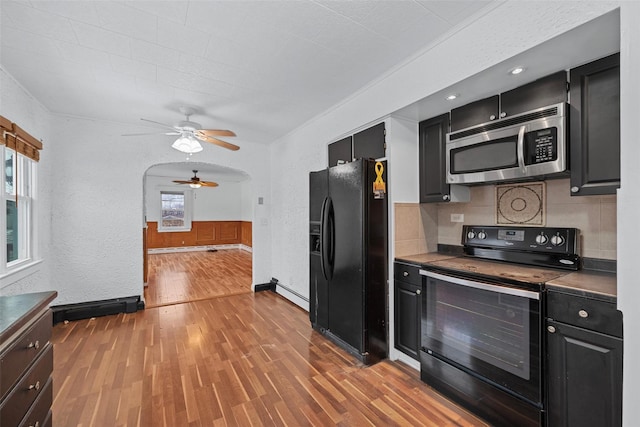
(202, 233)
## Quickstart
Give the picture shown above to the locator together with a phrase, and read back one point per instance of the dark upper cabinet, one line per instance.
(548, 90)
(594, 117)
(369, 143)
(540, 93)
(340, 150)
(431, 153)
(584, 362)
(407, 309)
(475, 113)
(366, 144)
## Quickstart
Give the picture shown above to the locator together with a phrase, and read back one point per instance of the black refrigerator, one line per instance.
(348, 258)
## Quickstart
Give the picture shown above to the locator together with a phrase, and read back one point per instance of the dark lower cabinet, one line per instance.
(584, 366)
(407, 309)
(594, 120)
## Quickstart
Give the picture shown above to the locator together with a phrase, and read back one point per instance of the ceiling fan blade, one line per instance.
(183, 182)
(151, 133)
(217, 141)
(208, 184)
(161, 124)
(216, 132)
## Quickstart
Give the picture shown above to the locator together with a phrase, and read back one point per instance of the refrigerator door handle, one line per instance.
(332, 237)
(324, 239)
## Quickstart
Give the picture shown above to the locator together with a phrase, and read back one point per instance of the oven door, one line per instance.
(488, 330)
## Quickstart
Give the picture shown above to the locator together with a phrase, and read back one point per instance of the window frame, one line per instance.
(27, 191)
(188, 211)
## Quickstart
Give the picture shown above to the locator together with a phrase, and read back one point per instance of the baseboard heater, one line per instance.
(87, 310)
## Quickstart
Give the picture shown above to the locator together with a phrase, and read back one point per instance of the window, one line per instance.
(18, 178)
(175, 214)
(19, 152)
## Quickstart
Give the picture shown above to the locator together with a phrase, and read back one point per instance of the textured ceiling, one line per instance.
(260, 68)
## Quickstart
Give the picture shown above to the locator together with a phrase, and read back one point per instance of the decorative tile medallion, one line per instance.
(522, 204)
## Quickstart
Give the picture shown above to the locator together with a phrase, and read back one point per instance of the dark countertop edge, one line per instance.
(37, 301)
(568, 290)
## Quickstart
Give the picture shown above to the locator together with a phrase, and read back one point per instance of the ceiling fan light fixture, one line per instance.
(195, 185)
(187, 144)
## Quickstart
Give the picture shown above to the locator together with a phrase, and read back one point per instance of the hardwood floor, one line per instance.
(247, 359)
(193, 276)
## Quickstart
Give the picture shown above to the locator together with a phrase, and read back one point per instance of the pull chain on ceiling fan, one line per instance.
(195, 182)
(190, 133)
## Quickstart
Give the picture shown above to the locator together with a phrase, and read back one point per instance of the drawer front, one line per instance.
(24, 351)
(407, 273)
(586, 313)
(40, 410)
(16, 405)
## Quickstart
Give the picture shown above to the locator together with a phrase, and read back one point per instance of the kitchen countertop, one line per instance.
(425, 258)
(586, 283)
(591, 284)
(16, 309)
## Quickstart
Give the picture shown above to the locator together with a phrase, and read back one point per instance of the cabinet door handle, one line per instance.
(583, 314)
(492, 117)
(37, 424)
(575, 189)
(551, 329)
(35, 345)
(445, 197)
(35, 386)
(405, 273)
(418, 292)
(503, 115)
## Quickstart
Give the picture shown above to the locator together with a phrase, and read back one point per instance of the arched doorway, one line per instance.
(197, 232)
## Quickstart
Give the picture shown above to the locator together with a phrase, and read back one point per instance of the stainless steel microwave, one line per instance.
(523, 146)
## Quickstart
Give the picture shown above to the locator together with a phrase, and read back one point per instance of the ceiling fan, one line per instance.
(189, 133)
(195, 182)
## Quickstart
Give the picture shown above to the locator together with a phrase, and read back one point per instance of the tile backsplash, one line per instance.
(420, 227)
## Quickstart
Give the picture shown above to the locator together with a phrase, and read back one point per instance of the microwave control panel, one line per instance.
(541, 146)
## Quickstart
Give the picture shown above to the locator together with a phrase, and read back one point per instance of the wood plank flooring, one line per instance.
(242, 360)
(193, 276)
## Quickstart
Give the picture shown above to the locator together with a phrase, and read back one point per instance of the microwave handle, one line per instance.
(520, 148)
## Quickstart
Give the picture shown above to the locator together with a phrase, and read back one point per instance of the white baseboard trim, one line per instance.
(198, 249)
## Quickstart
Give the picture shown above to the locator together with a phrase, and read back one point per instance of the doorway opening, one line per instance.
(197, 234)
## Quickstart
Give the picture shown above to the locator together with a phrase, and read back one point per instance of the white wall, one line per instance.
(629, 206)
(17, 105)
(227, 202)
(98, 205)
(246, 201)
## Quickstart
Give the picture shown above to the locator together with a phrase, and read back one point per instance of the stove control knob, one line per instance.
(541, 239)
(557, 240)
(482, 235)
(471, 235)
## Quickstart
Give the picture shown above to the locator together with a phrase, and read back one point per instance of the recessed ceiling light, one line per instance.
(516, 70)
(452, 97)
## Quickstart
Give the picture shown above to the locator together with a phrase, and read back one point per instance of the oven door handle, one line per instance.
(482, 285)
(520, 149)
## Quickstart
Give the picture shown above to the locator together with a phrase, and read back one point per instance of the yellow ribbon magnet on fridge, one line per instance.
(379, 187)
